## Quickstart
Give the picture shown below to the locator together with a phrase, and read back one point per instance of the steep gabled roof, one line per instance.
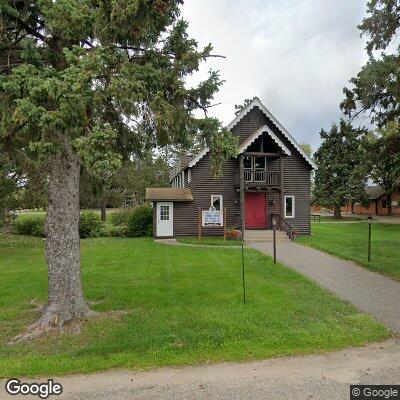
(257, 103)
(257, 134)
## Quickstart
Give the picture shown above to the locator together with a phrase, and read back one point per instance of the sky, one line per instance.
(296, 56)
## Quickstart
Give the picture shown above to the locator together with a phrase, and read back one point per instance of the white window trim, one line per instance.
(221, 197)
(183, 179)
(189, 175)
(294, 206)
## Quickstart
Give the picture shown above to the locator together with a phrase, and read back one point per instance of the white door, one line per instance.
(165, 219)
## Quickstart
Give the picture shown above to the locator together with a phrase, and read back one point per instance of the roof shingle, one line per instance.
(169, 194)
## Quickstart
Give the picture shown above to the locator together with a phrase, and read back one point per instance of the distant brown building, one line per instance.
(270, 177)
(378, 203)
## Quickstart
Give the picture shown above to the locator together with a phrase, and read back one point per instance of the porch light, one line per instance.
(274, 221)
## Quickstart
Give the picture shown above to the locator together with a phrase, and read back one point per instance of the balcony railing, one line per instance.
(261, 178)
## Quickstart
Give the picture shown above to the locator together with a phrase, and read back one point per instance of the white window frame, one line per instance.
(221, 198)
(189, 175)
(183, 179)
(293, 206)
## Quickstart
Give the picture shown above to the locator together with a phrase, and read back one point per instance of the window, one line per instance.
(189, 175)
(260, 163)
(247, 163)
(183, 179)
(216, 201)
(289, 207)
(164, 213)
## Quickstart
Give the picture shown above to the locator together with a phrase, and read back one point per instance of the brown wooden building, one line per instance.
(270, 176)
(378, 203)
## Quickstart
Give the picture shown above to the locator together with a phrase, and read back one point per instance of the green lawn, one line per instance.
(184, 306)
(350, 241)
(209, 241)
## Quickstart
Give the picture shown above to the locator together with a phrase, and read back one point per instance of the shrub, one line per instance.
(140, 223)
(233, 233)
(32, 225)
(121, 217)
(89, 225)
(109, 230)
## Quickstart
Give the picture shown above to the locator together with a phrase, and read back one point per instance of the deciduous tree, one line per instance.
(382, 164)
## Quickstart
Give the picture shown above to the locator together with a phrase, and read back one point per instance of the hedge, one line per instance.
(140, 222)
(31, 225)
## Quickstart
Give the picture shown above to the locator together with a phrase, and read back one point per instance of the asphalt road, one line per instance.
(326, 376)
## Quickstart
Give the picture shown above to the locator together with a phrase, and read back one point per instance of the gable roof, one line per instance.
(374, 192)
(169, 194)
(257, 103)
(257, 134)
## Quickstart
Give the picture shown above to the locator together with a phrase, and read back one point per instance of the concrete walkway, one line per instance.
(314, 377)
(370, 292)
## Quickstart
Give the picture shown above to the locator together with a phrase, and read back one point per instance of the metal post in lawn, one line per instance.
(274, 233)
(370, 219)
(244, 285)
(241, 180)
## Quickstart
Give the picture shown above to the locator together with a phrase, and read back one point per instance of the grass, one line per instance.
(184, 306)
(350, 242)
(209, 241)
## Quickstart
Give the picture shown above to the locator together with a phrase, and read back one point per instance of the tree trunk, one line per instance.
(103, 210)
(66, 302)
(389, 204)
(337, 213)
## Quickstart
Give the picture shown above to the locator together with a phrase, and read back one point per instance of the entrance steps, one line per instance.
(265, 236)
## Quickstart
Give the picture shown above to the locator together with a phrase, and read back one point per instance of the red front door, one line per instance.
(255, 211)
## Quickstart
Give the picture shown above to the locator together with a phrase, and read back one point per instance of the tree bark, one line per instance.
(66, 302)
(389, 204)
(337, 213)
(103, 210)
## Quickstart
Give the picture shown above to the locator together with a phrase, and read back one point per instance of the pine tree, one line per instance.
(91, 82)
(340, 178)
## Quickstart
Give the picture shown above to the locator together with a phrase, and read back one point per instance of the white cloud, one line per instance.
(296, 56)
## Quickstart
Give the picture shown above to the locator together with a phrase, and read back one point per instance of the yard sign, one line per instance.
(212, 218)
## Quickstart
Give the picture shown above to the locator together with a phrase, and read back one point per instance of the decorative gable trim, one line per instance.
(198, 157)
(257, 134)
(257, 103)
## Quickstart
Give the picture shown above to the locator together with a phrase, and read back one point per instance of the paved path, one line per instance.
(368, 291)
(316, 377)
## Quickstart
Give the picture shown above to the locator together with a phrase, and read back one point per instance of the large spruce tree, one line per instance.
(376, 88)
(340, 178)
(92, 81)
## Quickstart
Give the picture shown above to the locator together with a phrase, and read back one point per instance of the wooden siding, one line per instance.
(296, 182)
(204, 185)
(296, 171)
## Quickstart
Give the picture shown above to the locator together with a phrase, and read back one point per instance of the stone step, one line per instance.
(265, 236)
